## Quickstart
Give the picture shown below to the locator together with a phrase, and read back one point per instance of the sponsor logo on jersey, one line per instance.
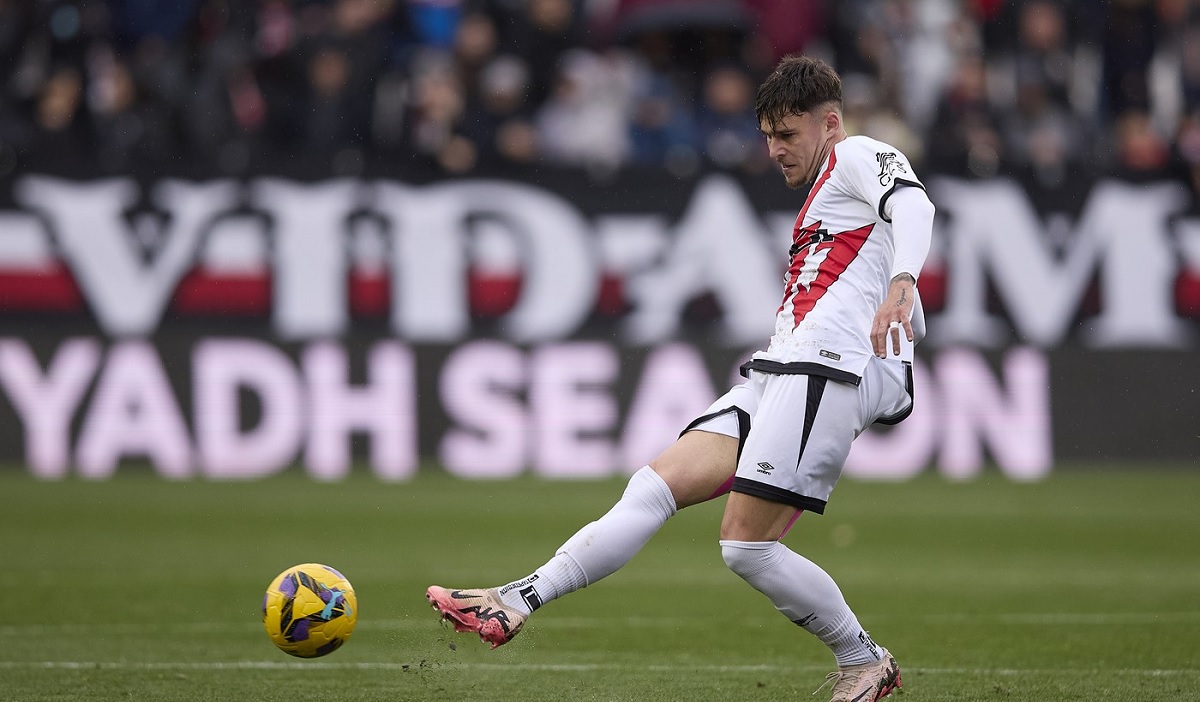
(830, 355)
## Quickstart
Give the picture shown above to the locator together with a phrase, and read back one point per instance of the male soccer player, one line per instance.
(840, 360)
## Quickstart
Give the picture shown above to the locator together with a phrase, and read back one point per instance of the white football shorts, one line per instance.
(794, 430)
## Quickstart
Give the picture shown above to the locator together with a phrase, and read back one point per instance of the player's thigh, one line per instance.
(697, 466)
(752, 518)
(700, 464)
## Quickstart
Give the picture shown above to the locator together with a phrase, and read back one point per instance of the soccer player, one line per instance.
(839, 361)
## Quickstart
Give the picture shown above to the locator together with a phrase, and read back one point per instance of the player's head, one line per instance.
(798, 84)
(799, 109)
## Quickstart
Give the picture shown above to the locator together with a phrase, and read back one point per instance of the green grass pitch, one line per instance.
(1083, 587)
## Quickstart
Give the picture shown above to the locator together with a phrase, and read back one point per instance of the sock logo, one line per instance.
(520, 583)
(865, 639)
(805, 621)
(531, 598)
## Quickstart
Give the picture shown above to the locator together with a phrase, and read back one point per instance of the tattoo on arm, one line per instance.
(903, 277)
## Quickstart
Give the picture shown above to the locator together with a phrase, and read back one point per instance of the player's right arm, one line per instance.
(911, 213)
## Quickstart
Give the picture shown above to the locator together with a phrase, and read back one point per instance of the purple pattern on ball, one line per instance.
(300, 633)
(331, 570)
(288, 586)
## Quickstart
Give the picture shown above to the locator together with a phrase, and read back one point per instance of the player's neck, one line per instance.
(834, 138)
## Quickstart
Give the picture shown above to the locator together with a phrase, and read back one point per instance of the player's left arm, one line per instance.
(911, 213)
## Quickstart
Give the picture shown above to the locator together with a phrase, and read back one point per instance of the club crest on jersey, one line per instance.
(889, 166)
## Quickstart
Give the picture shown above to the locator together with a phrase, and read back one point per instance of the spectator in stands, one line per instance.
(332, 115)
(964, 138)
(542, 33)
(1142, 153)
(1042, 56)
(1042, 135)
(785, 27)
(727, 128)
(436, 114)
(61, 130)
(1036, 79)
(476, 43)
(863, 112)
(585, 121)
(221, 109)
(662, 130)
(867, 38)
(1128, 48)
(498, 120)
(344, 63)
(1189, 67)
(128, 130)
(1186, 155)
(1035, 88)
(16, 23)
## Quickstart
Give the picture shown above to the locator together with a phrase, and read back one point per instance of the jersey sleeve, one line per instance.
(912, 229)
(876, 170)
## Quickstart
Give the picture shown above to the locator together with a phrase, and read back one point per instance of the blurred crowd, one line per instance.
(1037, 88)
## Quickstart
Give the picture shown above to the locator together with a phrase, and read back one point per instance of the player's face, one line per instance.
(797, 143)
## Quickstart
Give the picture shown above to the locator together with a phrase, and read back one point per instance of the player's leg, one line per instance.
(800, 589)
(791, 461)
(800, 429)
(696, 467)
(689, 471)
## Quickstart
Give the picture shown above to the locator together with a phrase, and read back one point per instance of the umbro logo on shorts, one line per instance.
(765, 468)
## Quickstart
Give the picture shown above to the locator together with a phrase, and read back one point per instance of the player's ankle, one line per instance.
(521, 595)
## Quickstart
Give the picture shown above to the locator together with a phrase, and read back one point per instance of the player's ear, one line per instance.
(833, 120)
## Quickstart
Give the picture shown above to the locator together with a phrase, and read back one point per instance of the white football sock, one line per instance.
(600, 548)
(805, 594)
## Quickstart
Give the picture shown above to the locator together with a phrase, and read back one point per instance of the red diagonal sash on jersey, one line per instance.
(837, 252)
(817, 186)
(831, 254)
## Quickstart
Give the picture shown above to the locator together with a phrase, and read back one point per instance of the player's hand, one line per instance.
(894, 316)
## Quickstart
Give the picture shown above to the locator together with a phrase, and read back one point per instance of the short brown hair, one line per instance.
(798, 84)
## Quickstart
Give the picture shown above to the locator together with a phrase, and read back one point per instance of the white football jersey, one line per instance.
(841, 264)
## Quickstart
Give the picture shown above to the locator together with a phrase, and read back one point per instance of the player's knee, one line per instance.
(649, 489)
(749, 558)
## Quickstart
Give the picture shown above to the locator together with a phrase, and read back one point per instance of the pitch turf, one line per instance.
(1082, 587)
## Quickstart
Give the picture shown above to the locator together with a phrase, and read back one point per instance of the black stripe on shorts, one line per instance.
(775, 494)
(743, 420)
(816, 389)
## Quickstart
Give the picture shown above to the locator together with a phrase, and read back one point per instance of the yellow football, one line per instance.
(310, 610)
